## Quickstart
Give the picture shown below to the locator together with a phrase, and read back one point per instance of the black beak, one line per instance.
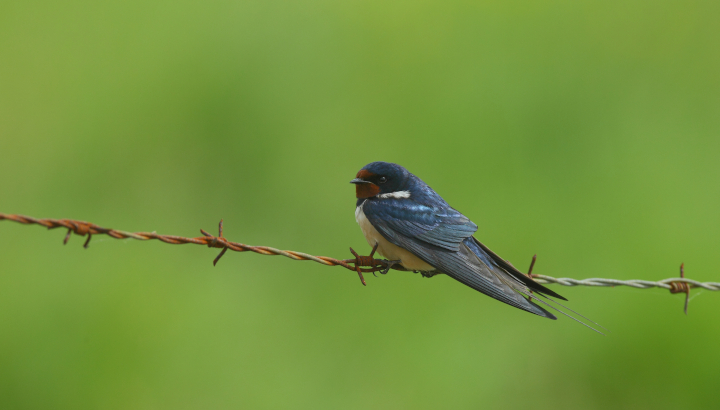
(359, 181)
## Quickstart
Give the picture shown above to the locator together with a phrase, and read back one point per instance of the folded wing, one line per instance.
(443, 238)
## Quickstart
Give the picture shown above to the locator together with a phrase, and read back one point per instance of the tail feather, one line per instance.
(574, 312)
(546, 313)
(509, 268)
(466, 267)
(566, 314)
(523, 285)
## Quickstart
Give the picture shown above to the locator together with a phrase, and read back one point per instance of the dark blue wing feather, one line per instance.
(443, 227)
(442, 237)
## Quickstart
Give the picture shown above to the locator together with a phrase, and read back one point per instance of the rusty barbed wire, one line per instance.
(359, 264)
(83, 228)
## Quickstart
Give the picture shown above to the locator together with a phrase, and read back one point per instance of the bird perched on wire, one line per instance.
(412, 226)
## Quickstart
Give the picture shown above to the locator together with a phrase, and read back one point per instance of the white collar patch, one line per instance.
(396, 195)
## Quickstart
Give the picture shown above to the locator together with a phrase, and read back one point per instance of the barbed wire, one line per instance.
(639, 284)
(83, 228)
(359, 264)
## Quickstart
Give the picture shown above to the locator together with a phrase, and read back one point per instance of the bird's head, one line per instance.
(383, 179)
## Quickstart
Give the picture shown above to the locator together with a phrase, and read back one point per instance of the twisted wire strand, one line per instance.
(85, 228)
(639, 284)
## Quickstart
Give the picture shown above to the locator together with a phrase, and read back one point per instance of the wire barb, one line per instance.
(360, 264)
(681, 287)
(530, 275)
(217, 242)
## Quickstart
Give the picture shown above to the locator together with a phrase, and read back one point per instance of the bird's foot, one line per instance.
(428, 274)
(389, 265)
(375, 265)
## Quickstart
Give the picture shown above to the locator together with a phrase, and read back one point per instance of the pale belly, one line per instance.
(389, 250)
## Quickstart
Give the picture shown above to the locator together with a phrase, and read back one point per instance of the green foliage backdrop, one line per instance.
(585, 132)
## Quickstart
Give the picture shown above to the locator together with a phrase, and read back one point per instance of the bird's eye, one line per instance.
(382, 180)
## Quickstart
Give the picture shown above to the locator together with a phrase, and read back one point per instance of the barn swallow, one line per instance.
(413, 226)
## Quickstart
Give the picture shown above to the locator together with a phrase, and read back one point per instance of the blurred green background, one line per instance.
(585, 132)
